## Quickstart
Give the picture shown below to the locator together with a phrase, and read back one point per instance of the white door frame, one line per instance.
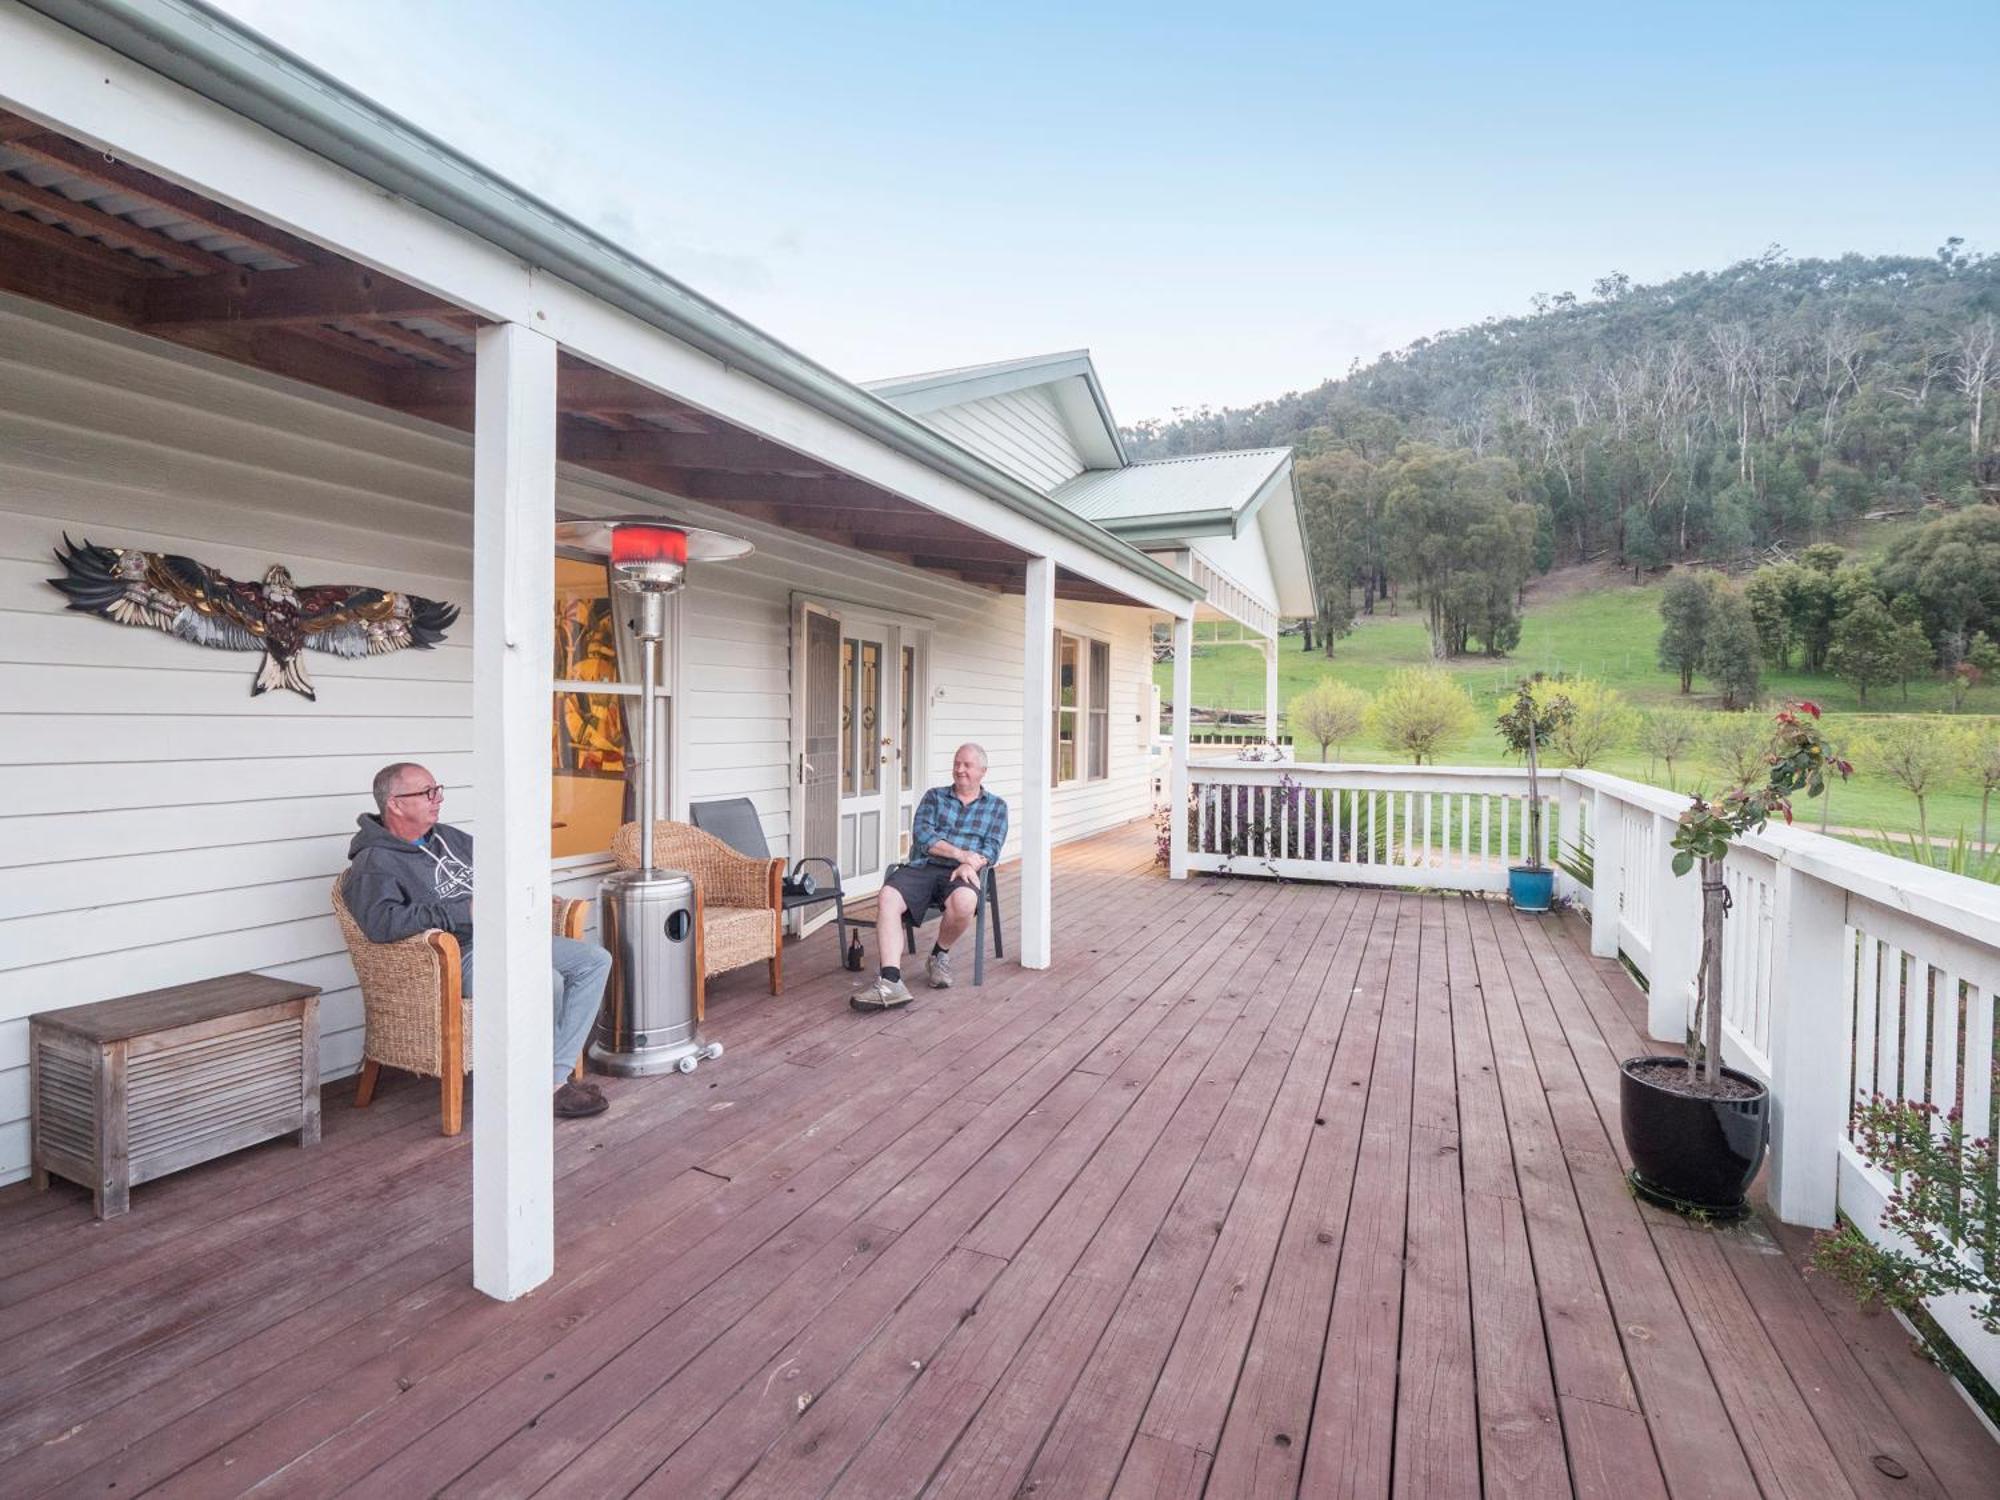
(896, 630)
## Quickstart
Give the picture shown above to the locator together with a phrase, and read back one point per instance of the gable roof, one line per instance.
(1199, 494)
(1070, 376)
(231, 64)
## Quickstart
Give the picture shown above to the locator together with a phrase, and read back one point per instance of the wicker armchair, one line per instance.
(416, 1018)
(742, 898)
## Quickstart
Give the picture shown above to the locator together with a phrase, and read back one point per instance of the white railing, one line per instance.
(1846, 973)
(1441, 827)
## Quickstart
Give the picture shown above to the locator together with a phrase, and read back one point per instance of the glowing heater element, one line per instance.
(649, 557)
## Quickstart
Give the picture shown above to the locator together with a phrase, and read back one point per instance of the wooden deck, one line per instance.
(1262, 1190)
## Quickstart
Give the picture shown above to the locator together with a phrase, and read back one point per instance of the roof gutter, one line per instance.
(204, 51)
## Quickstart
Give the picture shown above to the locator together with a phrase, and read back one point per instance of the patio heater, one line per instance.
(649, 918)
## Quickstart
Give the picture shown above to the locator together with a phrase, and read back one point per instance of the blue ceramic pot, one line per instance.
(1530, 890)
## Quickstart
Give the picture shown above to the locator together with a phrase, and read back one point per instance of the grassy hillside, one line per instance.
(1589, 626)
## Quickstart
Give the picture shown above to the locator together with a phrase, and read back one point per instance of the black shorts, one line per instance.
(923, 886)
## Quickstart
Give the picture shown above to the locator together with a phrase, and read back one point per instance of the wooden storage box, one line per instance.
(128, 1090)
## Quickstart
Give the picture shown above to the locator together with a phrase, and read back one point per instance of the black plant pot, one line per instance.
(1688, 1153)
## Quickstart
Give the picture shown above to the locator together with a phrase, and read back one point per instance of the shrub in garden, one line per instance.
(1421, 712)
(1330, 712)
(1918, 755)
(1736, 747)
(1599, 720)
(1669, 734)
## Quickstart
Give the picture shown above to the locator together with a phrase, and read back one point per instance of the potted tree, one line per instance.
(1524, 725)
(1696, 1130)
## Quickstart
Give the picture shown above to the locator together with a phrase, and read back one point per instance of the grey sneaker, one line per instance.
(937, 969)
(883, 994)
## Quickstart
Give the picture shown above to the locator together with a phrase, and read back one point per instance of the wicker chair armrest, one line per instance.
(570, 917)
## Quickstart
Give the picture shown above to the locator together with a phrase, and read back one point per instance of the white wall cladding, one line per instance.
(1022, 431)
(158, 825)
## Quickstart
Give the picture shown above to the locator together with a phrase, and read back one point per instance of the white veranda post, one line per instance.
(1177, 782)
(513, 647)
(1037, 764)
(1271, 689)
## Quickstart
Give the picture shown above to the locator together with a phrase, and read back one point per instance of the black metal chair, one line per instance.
(734, 820)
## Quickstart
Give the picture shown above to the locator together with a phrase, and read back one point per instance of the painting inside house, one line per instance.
(592, 770)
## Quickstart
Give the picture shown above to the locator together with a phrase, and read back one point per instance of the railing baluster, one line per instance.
(1916, 1030)
(1945, 1033)
(1867, 1016)
(1978, 1106)
(1889, 1023)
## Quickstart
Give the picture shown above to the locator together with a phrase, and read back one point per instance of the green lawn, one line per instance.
(1608, 634)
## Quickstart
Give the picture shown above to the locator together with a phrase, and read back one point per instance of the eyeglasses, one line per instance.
(432, 793)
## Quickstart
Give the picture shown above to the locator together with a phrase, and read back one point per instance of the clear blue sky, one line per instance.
(1222, 202)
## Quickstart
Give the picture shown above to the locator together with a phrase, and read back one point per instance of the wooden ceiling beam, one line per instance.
(246, 298)
(406, 341)
(157, 192)
(63, 243)
(43, 264)
(732, 452)
(82, 217)
(17, 128)
(348, 344)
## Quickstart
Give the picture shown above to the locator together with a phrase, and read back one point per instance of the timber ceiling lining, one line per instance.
(84, 231)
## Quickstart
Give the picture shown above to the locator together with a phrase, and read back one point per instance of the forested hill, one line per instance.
(1696, 418)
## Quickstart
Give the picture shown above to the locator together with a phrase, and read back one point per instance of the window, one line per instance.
(1065, 727)
(1099, 740)
(1081, 728)
(594, 776)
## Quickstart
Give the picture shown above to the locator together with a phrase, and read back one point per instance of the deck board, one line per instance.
(1262, 1190)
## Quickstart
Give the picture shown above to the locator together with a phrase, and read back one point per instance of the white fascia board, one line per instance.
(61, 78)
(925, 393)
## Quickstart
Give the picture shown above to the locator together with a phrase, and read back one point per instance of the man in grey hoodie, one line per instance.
(408, 873)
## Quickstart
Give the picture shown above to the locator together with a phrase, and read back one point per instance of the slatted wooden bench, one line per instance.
(128, 1090)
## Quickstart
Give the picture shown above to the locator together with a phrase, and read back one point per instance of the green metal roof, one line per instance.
(1206, 490)
(216, 57)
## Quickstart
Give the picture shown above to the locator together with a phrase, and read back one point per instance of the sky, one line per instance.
(1222, 203)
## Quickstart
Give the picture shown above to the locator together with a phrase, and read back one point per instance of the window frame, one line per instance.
(1090, 716)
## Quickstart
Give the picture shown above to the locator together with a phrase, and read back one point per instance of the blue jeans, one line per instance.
(577, 971)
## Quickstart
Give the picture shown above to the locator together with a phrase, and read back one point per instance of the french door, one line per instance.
(858, 723)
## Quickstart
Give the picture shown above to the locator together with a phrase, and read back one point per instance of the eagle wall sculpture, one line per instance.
(278, 617)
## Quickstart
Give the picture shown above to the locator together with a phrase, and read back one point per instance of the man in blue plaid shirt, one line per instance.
(957, 832)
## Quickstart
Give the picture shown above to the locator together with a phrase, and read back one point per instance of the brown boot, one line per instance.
(574, 1102)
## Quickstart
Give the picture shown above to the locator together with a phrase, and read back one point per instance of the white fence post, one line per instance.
(1177, 772)
(1674, 942)
(1569, 810)
(1037, 690)
(1607, 832)
(1809, 1034)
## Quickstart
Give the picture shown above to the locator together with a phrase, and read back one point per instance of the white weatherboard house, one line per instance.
(249, 317)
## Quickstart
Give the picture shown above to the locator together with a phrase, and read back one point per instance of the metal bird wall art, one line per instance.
(276, 616)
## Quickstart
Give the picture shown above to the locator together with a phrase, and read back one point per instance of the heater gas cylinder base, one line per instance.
(646, 1062)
